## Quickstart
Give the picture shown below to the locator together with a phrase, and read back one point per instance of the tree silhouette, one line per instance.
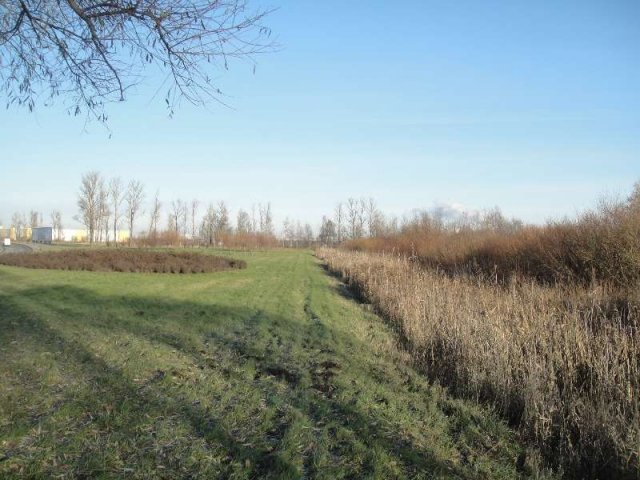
(90, 52)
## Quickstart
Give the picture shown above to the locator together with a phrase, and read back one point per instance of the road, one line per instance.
(15, 248)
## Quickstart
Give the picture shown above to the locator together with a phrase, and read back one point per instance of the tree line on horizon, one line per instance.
(107, 205)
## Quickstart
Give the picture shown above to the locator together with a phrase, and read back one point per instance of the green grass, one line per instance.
(269, 372)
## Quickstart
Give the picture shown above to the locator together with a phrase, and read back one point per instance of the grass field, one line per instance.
(269, 372)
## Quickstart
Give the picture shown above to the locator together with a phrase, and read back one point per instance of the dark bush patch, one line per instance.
(123, 260)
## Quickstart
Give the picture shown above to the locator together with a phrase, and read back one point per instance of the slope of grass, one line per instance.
(268, 372)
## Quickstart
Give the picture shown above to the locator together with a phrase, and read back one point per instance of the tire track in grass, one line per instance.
(322, 368)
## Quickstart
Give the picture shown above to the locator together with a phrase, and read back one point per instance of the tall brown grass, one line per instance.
(543, 322)
(562, 363)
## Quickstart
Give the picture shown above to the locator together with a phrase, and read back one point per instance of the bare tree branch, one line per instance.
(92, 52)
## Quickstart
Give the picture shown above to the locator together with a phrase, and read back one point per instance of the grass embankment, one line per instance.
(562, 362)
(267, 372)
(122, 260)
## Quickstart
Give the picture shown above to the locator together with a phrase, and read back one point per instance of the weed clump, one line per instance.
(123, 260)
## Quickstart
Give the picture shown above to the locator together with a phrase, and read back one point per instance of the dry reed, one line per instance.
(562, 363)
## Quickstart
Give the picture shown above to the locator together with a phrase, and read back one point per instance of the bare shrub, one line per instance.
(601, 245)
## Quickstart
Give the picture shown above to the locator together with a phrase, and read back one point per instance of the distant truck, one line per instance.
(42, 234)
(6, 242)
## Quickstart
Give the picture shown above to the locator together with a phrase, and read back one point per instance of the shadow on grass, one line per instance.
(117, 410)
(106, 385)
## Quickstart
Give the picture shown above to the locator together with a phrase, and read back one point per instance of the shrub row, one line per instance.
(122, 260)
(562, 362)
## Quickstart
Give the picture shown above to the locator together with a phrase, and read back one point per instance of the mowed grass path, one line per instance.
(268, 372)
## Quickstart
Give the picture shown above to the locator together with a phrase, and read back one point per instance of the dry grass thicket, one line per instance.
(542, 322)
(122, 260)
(563, 363)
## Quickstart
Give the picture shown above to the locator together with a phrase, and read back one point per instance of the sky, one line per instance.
(531, 106)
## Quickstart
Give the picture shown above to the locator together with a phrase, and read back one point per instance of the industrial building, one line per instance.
(42, 234)
(49, 235)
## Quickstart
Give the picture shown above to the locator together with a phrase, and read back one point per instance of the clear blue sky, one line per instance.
(532, 106)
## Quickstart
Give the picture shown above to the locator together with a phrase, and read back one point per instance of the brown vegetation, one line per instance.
(543, 322)
(123, 260)
(601, 245)
(563, 363)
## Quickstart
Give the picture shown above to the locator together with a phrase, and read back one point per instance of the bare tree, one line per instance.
(371, 212)
(299, 233)
(493, 219)
(116, 194)
(362, 209)
(223, 225)
(178, 216)
(261, 217)
(353, 217)
(194, 209)
(92, 52)
(104, 212)
(254, 222)
(633, 200)
(288, 231)
(209, 223)
(339, 220)
(18, 221)
(171, 223)
(155, 216)
(266, 219)
(133, 198)
(56, 224)
(393, 225)
(88, 202)
(374, 218)
(34, 219)
(243, 223)
(327, 235)
(307, 235)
